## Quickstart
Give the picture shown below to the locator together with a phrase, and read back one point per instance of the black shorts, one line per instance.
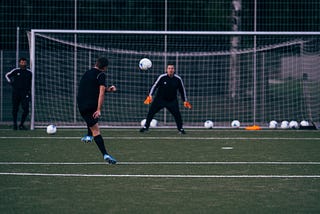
(88, 117)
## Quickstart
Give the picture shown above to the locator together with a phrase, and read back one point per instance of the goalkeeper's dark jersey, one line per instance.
(167, 88)
(89, 88)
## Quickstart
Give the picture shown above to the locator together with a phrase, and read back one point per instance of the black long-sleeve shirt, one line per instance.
(20, 79)
(167, 88)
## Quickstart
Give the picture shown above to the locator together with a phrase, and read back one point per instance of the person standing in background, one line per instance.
(20, 80)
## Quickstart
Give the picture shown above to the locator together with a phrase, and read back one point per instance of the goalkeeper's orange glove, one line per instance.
(187, 104)
(148, 100)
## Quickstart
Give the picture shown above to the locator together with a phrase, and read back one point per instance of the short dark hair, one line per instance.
(170, 63)
(102, 62)
(22, 59)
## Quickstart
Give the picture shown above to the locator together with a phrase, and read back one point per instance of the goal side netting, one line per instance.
(251, 77)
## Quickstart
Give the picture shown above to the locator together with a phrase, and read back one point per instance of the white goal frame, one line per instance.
(34, 32)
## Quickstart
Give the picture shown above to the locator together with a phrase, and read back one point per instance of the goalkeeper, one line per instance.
(20, 80)
(166, 86)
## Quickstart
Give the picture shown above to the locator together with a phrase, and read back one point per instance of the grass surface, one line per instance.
(205, 171)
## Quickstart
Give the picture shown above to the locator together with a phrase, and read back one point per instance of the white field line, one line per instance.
(168, 163)
(156, 176)
(169, 138)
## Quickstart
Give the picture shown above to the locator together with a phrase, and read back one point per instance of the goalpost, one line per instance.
(268, 76)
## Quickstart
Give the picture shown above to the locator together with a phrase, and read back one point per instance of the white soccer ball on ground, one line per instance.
(143, 122)
(293, 124)
(235, 124)
(208, 124)
(51, 129)
(273, 124)
(153, 123)
(304, 123)
(284, 124)
(145, 64)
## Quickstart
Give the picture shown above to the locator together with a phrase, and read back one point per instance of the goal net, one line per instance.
(250, 77)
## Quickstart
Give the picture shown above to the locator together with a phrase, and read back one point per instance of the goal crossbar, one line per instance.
(252, 33)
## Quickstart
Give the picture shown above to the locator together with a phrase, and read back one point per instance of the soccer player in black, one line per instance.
(20, 79)
(167, 86)
(90, 99)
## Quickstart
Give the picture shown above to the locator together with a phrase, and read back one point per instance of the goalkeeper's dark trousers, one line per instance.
(171, 106)
(17, 99)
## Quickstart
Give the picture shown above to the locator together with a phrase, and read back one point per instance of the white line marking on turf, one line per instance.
(170, 138)
(227, 147)
(158, 176)
(166, 163)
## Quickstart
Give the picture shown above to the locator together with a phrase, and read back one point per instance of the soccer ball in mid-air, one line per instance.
(51, 129)
(293, 124)
(145, 64)
(235, 124)
(208, 124)
(273, 124)
(284, 124)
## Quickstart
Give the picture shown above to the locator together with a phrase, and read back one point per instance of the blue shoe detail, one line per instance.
(109, 159)
(87, 139)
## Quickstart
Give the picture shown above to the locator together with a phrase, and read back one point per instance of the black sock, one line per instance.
(100, 143)
(89, 132)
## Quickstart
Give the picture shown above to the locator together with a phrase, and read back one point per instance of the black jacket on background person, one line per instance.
(20, 80)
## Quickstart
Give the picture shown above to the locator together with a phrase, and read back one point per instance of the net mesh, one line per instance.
(276, 79)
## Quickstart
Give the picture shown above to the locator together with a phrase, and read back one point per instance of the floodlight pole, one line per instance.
(234, 68)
